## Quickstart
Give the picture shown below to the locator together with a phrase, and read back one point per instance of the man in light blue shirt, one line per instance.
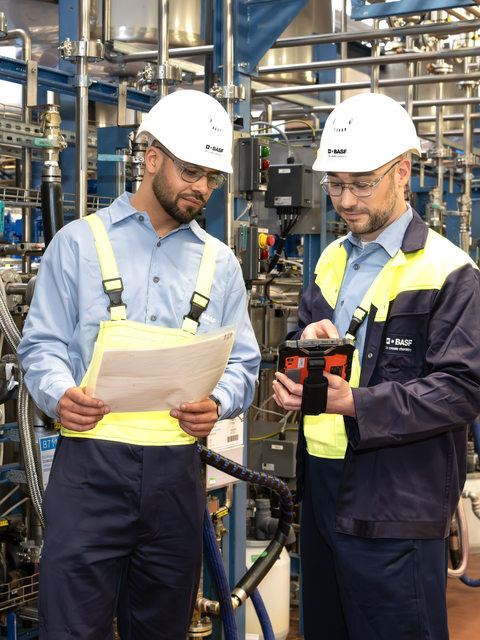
(124, 518)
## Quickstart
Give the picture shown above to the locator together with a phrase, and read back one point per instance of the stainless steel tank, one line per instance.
(138, 23)
(315, 17)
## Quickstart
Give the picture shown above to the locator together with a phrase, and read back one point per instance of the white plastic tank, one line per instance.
(275, 592)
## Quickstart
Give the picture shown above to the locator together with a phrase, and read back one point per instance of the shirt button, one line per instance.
(341, 303)
(158, 243)
(141, 218)
(156, 279)
(370, 355)
(153, 318)
(356, 267)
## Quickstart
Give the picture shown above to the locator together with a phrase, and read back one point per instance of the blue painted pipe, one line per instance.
(470, 582)
(219, 578)
(263, 617)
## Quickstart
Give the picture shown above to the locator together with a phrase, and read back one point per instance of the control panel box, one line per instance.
(289, 186)
(278, 458)
(253, 164)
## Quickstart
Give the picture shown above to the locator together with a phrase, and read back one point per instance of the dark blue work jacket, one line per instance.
(405, 464)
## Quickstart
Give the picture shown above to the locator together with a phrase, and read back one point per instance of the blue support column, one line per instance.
(12, 626)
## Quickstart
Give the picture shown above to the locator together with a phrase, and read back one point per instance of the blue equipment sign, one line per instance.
(47, 446)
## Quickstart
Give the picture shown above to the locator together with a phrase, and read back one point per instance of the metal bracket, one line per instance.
(81, 81)
(122, 106)
(230, 92)
(169, 72)
(91, 49)
(32, 82)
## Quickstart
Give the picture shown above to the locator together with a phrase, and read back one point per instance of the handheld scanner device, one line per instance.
(293, 357)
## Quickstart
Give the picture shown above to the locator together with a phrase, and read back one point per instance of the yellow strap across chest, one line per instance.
(113, 281)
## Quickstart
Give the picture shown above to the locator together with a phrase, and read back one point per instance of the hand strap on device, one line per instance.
(315, 387)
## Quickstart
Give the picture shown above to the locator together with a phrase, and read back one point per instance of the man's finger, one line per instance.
(292, 387)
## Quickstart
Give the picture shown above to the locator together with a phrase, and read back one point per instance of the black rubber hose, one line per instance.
(265, 562)
(52, 209)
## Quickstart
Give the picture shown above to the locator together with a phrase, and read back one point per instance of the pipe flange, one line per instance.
(169, 72)
(230, 92)
(200, 628)
(440, 68)
(468, 83)
(93, 50)
(3, 25)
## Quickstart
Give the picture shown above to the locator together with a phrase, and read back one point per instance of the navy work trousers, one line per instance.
(362, 589)
(123, 534)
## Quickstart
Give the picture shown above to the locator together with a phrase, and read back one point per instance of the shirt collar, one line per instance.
(391, 239)
(121, 209)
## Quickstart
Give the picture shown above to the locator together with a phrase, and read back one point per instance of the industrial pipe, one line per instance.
(81, 114)
(229, 104)
(163, 39)
(437, 29)
(106, 28)
(343, 47)
(462, 525)
(24, 37)
(381, 60)
(391, 82)
(375, 70)
(179, 52)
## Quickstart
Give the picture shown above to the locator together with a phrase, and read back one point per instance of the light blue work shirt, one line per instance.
(365, 260)
(159, 277)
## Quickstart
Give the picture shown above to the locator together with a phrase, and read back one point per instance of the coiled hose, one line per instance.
(265, 562)
(25, 421)
(219, 578)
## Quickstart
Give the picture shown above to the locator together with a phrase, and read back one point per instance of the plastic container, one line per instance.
(275, 592)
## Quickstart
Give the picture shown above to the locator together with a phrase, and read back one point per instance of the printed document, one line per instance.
(132, 377)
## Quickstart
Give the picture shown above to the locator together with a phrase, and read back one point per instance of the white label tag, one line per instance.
(279, 447)
(301, 363)
(283, 201)
(284, 171)
(267, 466)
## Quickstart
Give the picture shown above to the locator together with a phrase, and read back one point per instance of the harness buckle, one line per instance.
(115, 294)
(197, 309)
(356, 322)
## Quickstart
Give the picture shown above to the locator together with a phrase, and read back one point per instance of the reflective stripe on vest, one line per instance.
(156, 428)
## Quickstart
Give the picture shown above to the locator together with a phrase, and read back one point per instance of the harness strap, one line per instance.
(200, 298)
(378, 289)
(112, 282)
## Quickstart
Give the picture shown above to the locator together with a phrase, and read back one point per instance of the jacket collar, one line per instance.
(415, 236)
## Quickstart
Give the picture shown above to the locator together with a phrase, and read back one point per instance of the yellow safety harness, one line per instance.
(156, 428)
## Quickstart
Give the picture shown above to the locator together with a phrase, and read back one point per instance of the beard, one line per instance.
(377, 218)
(170, 202)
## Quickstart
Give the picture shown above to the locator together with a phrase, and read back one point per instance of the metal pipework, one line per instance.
(439, 29)
(163, 37)
(392, 82)
(81, 114)
(475, 500)
(375, 70)
(462, 525)
(106, 26)
(381, 60)
(23, 36)
(229, 104)
(343, 48)
(180, 52)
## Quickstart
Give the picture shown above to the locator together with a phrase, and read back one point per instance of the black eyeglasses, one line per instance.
(192, 173)
(359, 189)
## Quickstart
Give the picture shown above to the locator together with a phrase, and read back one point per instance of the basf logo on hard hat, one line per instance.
(336, 153)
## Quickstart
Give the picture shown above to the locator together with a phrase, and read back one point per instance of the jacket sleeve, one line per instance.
(448, 397)
(237, 385)
(43, 352)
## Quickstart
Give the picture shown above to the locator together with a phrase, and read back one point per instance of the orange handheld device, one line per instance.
(293, 356)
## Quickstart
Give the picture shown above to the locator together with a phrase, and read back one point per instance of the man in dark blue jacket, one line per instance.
(384, 467)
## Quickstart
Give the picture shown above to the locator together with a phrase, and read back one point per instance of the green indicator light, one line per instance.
(264, 152)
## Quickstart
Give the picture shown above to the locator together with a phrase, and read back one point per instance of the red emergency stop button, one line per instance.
(264, 254)
(265, 165)
(270, 241)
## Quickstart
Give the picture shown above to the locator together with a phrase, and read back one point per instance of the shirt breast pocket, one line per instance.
(402, 352)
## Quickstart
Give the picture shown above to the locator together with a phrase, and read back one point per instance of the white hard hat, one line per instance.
(194, 127)
(364, 133)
